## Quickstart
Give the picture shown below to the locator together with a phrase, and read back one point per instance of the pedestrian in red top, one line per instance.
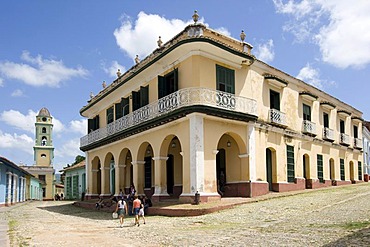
(136, 210)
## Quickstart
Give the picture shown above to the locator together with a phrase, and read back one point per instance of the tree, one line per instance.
(78, 159)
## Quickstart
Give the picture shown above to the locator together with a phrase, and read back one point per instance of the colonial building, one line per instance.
(14, 183)
(366, 143)
(44, 154)
(75, 181)
(202, 114)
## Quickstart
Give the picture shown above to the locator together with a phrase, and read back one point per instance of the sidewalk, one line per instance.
(4, 237)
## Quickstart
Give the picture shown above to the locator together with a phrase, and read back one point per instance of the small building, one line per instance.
(13, 183)
(75, 181)
(366, 142)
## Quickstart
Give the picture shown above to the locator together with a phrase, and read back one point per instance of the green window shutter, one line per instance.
(161, 87)
(225, 79)
(306, 112)
(125, 102)
(274, 100)
(341, 125)
(118, 110)
(144, 96)
(75, 187)
(326, 120)
(69, 188)
(359, 170)
(90, 125)
(135, 100)
(320, 168)
(176, 80)
(342, 174)
(110, 116)
(290, 164)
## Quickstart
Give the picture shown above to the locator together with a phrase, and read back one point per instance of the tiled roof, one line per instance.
(77, 166)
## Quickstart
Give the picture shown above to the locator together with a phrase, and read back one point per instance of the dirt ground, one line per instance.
(338, 216)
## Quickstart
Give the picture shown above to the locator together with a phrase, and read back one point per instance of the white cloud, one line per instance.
(140, 38)
(265, 52)
(311, 76)
(40, 72)
(17, 93)
(112, 69)
(1, 82)
(27, 122)
(338, 27)
(79, 126)
(223, 30)
(19, 120)
(70, 149)
(19, 142)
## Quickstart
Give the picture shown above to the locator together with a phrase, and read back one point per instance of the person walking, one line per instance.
(141, 213)
(136, 209)
(121, 210)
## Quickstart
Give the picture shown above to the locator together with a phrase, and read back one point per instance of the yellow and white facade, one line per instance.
(202, 114)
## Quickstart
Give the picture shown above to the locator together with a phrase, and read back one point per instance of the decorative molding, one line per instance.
(215, 151)
(243, 156)
(344, 113)
(308, 96)
(160, 158)
(327, 105)
(275, 81)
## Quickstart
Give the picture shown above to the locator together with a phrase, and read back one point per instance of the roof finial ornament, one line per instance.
(104, 84)
(91, 95)
(195, 16)
(118, 73)
(137, 59)
(159, 42)
(242, 36)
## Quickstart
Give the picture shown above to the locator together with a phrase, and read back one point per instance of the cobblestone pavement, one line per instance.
(338, 216)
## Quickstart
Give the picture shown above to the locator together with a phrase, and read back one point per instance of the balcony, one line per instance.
(328, 134)
(344, 139)
(178, 100)
(309, 128)
(357, 143)
(277, 117)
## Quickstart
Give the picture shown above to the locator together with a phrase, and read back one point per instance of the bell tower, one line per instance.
(43, 149)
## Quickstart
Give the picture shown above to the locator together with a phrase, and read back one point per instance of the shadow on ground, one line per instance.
(69, 209)
(358, 238)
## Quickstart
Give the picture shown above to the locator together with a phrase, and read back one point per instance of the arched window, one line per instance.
(43, 141)
(43, 130)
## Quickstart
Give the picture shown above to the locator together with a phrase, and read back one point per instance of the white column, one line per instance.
(87, 175)
(15, 188)
(252, 152)
(9, 188)
(160, 176)
(196, 125)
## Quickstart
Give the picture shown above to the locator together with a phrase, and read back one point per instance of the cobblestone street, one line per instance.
(338, 216)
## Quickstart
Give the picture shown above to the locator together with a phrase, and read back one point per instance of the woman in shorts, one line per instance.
(121, 210)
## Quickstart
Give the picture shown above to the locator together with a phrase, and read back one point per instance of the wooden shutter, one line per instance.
(125, 103)
(359, 170)
(290, 164)
(97, 122)
(110, 116)
(306, 112)
(320, 168)
(274, 100)
(176, 80)
(326, 120)
(161, 87)
(342, 174)
(135, 100)
(90, 125)
(118, 110)
(144, 96)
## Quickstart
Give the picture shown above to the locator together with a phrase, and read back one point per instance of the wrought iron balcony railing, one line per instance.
(357, 143)
(181, 98)
(344, 139)
(308, 127)
(277, 117)
(328, 134)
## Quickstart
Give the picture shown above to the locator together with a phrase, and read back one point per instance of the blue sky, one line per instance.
(54, 53)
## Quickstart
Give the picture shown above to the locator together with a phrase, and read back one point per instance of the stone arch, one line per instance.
(172, 176)
(143, 170)
(108, 175)
(125, 176)
(95, 176)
